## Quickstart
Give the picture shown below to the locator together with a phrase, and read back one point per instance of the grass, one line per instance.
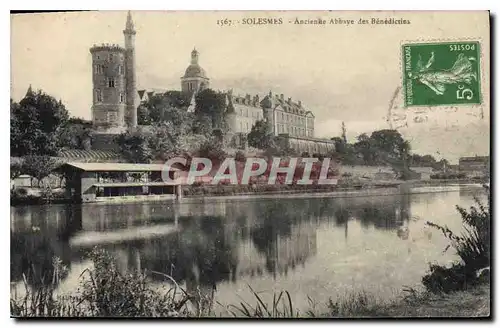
(472, 246)
(107, 293)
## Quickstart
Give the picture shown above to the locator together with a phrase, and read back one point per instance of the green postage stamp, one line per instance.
(441, 73)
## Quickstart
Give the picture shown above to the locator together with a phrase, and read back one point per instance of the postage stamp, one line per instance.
(441, 73)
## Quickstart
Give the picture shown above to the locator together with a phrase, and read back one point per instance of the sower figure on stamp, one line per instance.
(460, 72)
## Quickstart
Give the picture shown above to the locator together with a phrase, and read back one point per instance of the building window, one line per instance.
(120, 69)
(247, 128)
(121, 97)
(98, 69)
(111, 82)
(98, 95)
(98, 57)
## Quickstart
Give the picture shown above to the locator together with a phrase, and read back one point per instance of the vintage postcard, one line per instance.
(283, 164)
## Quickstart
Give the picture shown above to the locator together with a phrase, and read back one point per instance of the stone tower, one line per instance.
(130, 78)
(195, 79)
(114, 101)
(109, 85)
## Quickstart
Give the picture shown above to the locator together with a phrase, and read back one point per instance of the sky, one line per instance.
(341, 73)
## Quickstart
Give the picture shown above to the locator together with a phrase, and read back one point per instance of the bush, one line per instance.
(212, 150)
(438, 176)
(473, 248)
(106, 293)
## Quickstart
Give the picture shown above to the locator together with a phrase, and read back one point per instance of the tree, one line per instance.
(164, 141)
(202, 124)
(339, 145)
(260, 135)
(344, 136)
(363, 147)
(39, 167)
(35, 123)
(212, 104)
(75, 136)
(391, 143)
(16, 169)
(134, 147)
(143, 117)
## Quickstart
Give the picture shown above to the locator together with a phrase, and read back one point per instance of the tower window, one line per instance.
(98, 95)
(111, 82)
(98, 69)
(120, 69)
(121, 97)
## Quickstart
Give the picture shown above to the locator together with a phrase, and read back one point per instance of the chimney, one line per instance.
(300, 104)
(256, 100)
(282, 97)
(289, 100)
(248, 99)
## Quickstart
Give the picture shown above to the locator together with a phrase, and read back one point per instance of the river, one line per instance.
(313, 246)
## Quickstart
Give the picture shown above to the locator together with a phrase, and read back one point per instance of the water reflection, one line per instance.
(201, 244)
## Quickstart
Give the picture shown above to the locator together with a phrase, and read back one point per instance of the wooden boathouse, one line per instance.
(108, 182)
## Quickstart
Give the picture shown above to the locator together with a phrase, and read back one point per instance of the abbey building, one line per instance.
(116, 98)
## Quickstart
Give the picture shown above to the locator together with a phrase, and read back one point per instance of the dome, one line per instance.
(195, 70)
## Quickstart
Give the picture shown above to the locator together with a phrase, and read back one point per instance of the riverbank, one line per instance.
(473, 302)
(342, 189)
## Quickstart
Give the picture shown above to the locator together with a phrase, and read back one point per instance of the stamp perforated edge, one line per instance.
(483, 80)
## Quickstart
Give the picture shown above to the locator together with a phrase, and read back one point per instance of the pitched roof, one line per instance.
(114, 167)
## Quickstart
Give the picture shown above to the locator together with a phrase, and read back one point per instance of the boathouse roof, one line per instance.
(115, 167)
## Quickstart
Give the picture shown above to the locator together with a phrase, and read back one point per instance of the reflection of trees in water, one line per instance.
(206, 250)
(200, 251)
(33, 253)
(36, 241)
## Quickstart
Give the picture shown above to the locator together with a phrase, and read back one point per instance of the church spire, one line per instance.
(129, 26)
(29, 92)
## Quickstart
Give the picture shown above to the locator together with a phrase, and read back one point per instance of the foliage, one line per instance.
(164, 141)
(35, 124)
(354, 305)
(79, 120)
(202, 125)
(260, 135)
(16, 169)
(106, 292)
(212, 104)
(472, 246)
(38, 167)
(213, 150)
(344, 133)
(134, 146)
(75, 135)
(448, 175)
(281, 307)
(162, 107)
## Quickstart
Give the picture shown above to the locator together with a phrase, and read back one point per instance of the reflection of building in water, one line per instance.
(276, 253)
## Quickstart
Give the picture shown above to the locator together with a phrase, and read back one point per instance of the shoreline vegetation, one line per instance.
(22, 196)
(462, 290)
